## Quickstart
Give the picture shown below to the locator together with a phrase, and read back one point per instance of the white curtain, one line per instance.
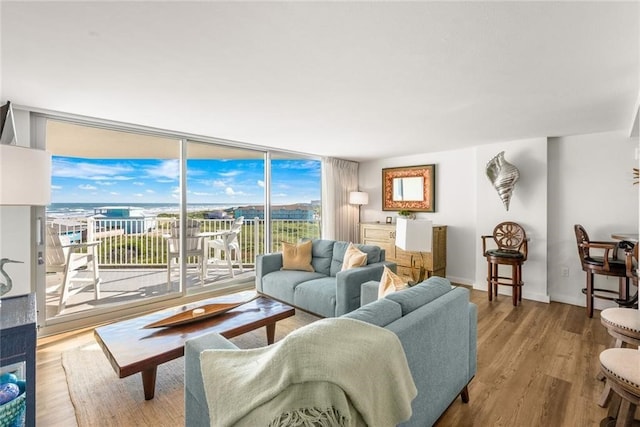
(340, 220)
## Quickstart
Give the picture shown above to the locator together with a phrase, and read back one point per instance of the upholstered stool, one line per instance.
(621, 368)
(624, 325)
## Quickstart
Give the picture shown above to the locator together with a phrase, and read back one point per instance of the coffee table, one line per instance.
(131, 348)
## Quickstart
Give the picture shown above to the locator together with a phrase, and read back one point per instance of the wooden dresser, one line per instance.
(384, 235)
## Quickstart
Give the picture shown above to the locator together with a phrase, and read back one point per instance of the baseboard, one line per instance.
(506, 291)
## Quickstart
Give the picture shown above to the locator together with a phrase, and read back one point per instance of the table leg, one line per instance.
(149, 382)
(271, 332)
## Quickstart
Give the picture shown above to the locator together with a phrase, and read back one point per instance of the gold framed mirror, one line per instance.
(409, 188)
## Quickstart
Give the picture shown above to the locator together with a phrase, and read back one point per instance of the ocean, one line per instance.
(82, 210)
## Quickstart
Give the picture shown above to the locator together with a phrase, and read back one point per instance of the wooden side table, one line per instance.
(18, 343)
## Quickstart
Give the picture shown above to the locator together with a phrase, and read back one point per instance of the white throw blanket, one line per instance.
(333, 372)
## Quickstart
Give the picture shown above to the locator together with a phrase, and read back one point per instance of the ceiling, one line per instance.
(355, 80)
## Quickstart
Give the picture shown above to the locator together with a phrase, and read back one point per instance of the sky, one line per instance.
(234, 182)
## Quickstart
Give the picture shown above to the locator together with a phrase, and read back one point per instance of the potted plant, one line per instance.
(407, 214)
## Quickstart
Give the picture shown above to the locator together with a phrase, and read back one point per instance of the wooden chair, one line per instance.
(606, 263)
(71, 259)
(195, 248)
(512, 249)
(631, 264)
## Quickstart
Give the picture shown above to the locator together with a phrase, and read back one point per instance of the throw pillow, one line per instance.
(353, 257)
(297, 256)
(390, 282)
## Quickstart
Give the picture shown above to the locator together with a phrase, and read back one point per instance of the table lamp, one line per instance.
(415, 235)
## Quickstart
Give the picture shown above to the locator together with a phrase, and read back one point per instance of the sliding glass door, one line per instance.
(140, 219)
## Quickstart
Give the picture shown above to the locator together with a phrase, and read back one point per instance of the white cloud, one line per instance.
(87, 187)
(138, 194)
(62, 168)
(150, 191)
(113, 193)
(137, 183)
(167, 169)
(229, 174)
(57, 187)
(199, 193)
(260, 183)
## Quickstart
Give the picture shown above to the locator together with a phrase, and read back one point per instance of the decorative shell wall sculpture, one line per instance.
(503, 175)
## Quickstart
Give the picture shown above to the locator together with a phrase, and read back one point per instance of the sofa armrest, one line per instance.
(195, 401)
(265, 264)
(348, 284)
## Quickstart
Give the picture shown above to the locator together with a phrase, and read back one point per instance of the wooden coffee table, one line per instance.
(130, 348)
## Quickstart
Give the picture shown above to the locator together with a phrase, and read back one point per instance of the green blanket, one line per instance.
(333, 372)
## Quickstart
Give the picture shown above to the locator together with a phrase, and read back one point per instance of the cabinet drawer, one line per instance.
(374, 233)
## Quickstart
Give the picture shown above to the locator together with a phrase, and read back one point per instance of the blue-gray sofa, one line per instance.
(327, 292)
(436, 324)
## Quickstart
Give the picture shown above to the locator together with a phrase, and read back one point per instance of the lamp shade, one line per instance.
(358, 198)
(25, 176)
(414, 235)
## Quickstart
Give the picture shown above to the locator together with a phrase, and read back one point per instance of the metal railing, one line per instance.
(142, 242)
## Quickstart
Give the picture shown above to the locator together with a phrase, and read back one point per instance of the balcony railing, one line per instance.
(142, 242)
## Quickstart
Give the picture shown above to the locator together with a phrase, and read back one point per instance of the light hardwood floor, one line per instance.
(537, 366)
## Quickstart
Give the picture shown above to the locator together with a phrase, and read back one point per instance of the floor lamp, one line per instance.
(25, 180)
(358, 198)
(415, 235)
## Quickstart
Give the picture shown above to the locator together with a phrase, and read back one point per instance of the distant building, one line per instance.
(129, 218)
(297, 211)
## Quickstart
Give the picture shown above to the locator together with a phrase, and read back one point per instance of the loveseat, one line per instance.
(327, 291)
(436, 325)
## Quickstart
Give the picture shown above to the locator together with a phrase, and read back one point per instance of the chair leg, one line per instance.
(590, 294)
(520, 282)
(96, 274)
(515, 282)
(625, 414)
(605, 397)
(490, 280)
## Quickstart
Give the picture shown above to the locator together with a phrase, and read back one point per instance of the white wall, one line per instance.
(563, 181)
(591, 183)
(455, 203)
(527, 208)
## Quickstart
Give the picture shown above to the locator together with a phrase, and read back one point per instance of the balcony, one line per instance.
(132, 258)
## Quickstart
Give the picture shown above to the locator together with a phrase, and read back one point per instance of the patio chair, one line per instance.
(74, 260)
(228, 245)
(195, 248)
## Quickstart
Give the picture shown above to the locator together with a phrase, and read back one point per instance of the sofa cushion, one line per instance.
(281, 284)
(390, 282)
(322, 252)
(317, 296)
(353, 257)
(340, 248)
(420, 294)
(380, 313)
(297, 256)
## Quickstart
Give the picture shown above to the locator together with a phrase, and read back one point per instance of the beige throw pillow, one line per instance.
(296, 256)
(390, 282)
(353, 257)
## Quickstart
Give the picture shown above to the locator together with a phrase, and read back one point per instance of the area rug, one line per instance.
(101, 399)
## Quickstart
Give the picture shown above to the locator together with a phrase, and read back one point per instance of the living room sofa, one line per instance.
(327, 291)
(436, 325)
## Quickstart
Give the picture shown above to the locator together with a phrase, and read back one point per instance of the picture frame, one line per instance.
(388, 220)
(409, 188)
